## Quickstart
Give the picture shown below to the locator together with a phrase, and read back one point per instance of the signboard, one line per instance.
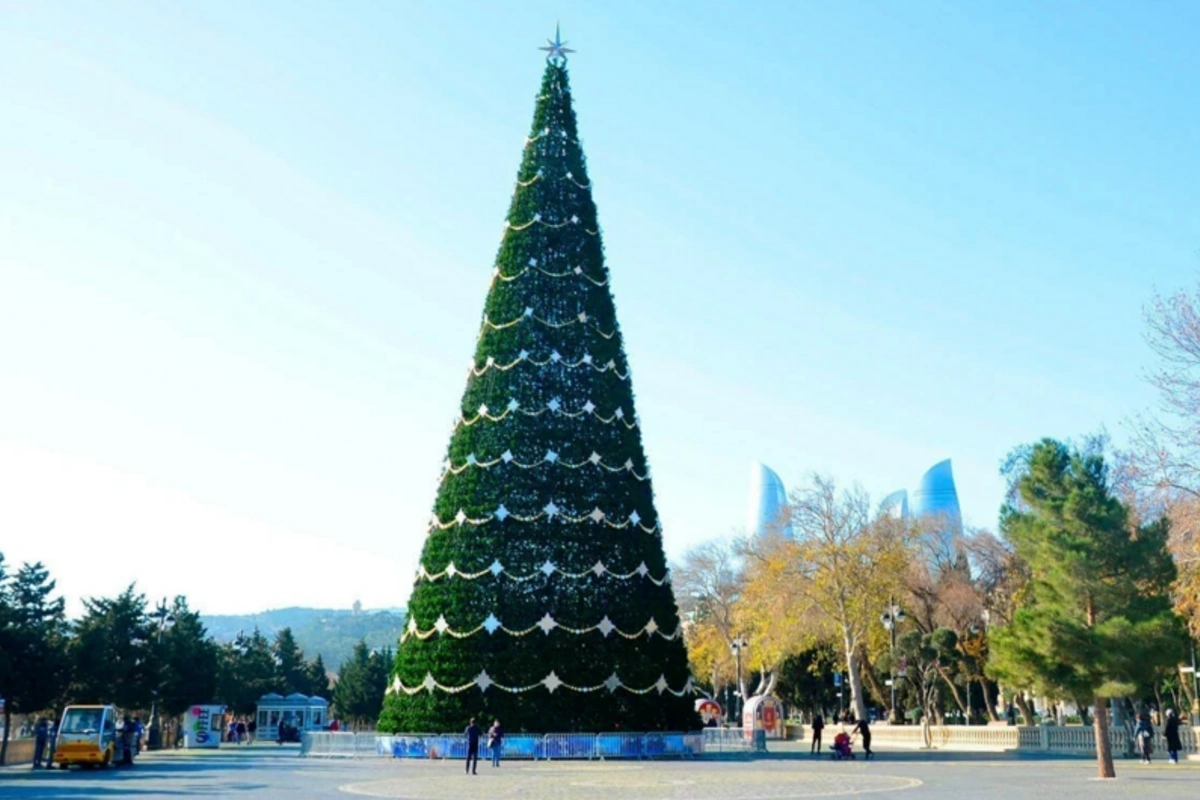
(763, 713)
(708, 710)
(203, 726)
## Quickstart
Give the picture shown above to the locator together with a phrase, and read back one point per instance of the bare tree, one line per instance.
(847, 564)
(1168, 444)
(708, 587)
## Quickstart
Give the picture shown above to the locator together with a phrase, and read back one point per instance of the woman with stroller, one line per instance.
(864, 731)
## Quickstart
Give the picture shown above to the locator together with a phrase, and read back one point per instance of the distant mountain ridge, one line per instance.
(329, 632)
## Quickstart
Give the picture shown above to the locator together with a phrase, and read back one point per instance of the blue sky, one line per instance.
(244, 248)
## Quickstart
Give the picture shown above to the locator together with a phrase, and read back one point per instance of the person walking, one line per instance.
(495, 742)
(241, 731)
(41, 738)
(473, 733)
(128, 732)
(863, 729)
(252, 728)
(818, 725)
(1171, 735)
(1144, 734)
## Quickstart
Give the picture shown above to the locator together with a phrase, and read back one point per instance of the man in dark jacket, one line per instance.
(818, 725)
(1171, 735)
(41, 742)
(473, 734)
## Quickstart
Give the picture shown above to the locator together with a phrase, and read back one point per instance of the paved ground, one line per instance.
(273, 773)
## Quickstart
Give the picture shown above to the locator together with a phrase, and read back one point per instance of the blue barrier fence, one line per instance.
(550, 746)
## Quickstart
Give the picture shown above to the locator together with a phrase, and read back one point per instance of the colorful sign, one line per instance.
(764, 713)
(203, 725)
(708, 710)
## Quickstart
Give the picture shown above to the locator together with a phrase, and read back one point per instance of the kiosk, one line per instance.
(203, 726)
(296, 710)
(763, 713)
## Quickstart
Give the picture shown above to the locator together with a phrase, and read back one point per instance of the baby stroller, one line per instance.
(841, 748)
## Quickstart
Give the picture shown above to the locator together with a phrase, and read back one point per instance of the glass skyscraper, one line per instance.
(938, 497)
(768, 500)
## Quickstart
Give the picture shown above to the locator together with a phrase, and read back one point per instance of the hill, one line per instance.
(330, 632)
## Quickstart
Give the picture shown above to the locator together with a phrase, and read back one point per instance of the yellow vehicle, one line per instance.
(87, 736)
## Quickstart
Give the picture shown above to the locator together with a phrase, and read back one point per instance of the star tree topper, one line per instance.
(557, 49)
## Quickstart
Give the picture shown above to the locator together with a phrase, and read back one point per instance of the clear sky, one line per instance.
(244, 247)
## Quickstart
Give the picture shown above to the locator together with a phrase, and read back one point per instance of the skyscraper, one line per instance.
(768, 501)
(936, 502)
(895, 504)
(937, 496)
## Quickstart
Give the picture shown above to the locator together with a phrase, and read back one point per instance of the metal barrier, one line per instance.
(569, 745)
(732, 740)
(328, 744)
(550, 746)
(522, 746)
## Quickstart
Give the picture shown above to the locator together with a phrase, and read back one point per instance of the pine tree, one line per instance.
(291, 670)
(318, 677)
(33, 659)
(112, 652)
(1095, 621)
(542, 597)
(188, 660)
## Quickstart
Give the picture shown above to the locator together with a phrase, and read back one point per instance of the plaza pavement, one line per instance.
(268, 772)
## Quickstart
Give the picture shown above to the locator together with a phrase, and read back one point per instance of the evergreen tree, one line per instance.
(542, 597)
(291, 671)
(112, 652)
(318, 677)
(246, 671)
(33, 660)
(1095, 621)
(188, 662)
(358, 695)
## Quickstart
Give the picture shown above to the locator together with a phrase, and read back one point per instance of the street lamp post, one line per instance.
(165, 620)
(892, 616)
(739, 644)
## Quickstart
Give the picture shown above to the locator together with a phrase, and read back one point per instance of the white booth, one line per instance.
(296, 710)
(763, 713)
(203, 726)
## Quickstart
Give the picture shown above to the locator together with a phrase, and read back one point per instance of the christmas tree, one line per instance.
(542, 598)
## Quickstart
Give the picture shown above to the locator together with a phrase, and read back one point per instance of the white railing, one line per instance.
(1033, 738)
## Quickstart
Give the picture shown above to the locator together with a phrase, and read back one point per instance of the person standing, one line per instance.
(127, 734)
(818, 725)
(41, 738)
(1171, 735)
(1144, 734)
(863, 729)
(495, 742)
(473, 733)
(252, 728)
(241, 731)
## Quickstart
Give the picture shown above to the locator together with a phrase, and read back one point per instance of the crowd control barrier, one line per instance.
(548, 747)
